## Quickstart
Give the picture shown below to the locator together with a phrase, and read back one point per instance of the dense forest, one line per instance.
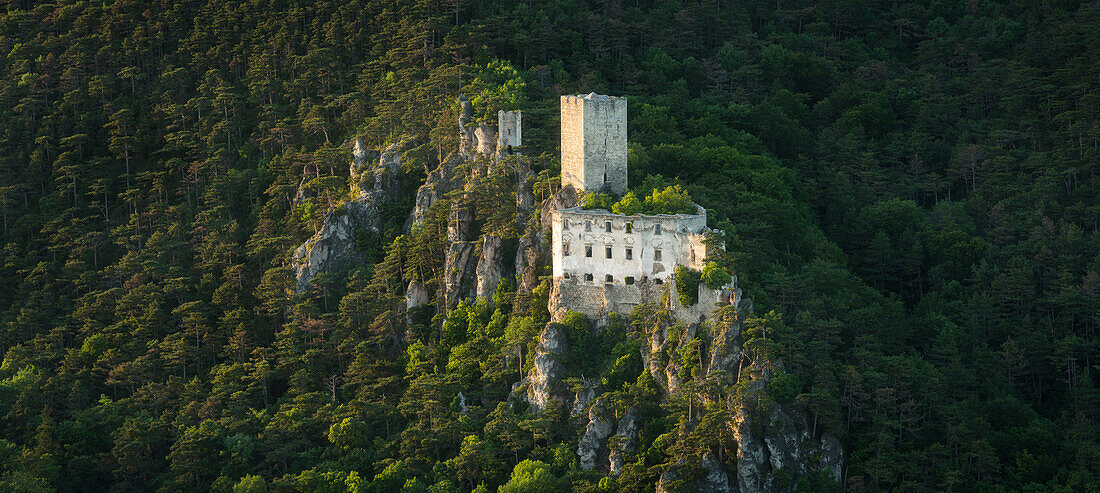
(906, 190)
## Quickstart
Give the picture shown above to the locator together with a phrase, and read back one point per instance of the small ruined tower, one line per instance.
(509, 130)
(593, 143)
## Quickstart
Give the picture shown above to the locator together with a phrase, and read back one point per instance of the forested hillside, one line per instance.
(908, 191)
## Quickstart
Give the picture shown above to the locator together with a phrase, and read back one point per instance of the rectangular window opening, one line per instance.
(588, 225)
(656, 229)
(629, 281)
(629, 228)
(607, 227)
(656, 255)
(588, 251)
(608, 279)
(588, 277)
(608, 251)
(630, 254)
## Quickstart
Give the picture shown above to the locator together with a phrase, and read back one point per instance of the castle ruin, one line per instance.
(605, 262)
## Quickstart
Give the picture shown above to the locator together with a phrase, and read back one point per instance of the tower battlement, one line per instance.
(593, 142)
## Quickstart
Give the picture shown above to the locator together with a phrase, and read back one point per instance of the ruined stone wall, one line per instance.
(642, 247)
(638, 273)
(593, 142)
(598, 299)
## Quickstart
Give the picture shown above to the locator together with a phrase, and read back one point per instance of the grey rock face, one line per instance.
(831, 456)
(581, 400)
(440, 181)
(544, 383)
(716, 479)
(624, 442)
(783, 442)
(670, 480)
(327, 251)
(334, 245)
(527, 254)
(458, 263)
(725, 348)
(490, 267)
(474, 139)
(767, 440)
(486, 138)
(752, 457)
(595, 434)
(665, 373)
(416, 295)
(652, 360)
(725, 354)
(777, 439)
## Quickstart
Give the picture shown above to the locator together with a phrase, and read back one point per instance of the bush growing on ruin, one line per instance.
(715, 276)
(671, 200)
(687, 285)
(598, 201)
(629, 205)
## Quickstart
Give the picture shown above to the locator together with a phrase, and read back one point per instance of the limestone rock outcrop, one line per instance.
(371, 185)
(474, 139)
(459, 260)
(544, 384)
(416, 295)
(624, 442)
(491, 267)
(442, 180)
(777, 438)
(766, 439)
(595, 437)
(581, 399)
(327, 251)
(716, 480)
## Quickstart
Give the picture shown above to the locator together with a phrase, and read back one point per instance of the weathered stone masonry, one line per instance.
(593, 142)
(605, 262)
(629, 249)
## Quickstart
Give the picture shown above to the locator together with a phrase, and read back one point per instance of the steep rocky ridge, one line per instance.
(544, 384)
(371, 184)
(473, 266)
(768, 441)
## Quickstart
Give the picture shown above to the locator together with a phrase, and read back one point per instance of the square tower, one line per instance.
(509, 129)
(593, 142)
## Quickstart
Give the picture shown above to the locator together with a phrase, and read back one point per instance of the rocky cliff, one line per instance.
(473, 266)
(768, 444)
(371, 184)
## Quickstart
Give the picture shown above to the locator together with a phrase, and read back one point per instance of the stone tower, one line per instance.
(593, 142)
(509, 129)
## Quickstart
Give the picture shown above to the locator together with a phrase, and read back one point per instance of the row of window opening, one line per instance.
(608, 279)
(607, 227)
(608, 252)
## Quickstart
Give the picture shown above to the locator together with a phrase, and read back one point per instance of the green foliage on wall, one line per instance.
(670, 200)
(715, 276)
(687, 285)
